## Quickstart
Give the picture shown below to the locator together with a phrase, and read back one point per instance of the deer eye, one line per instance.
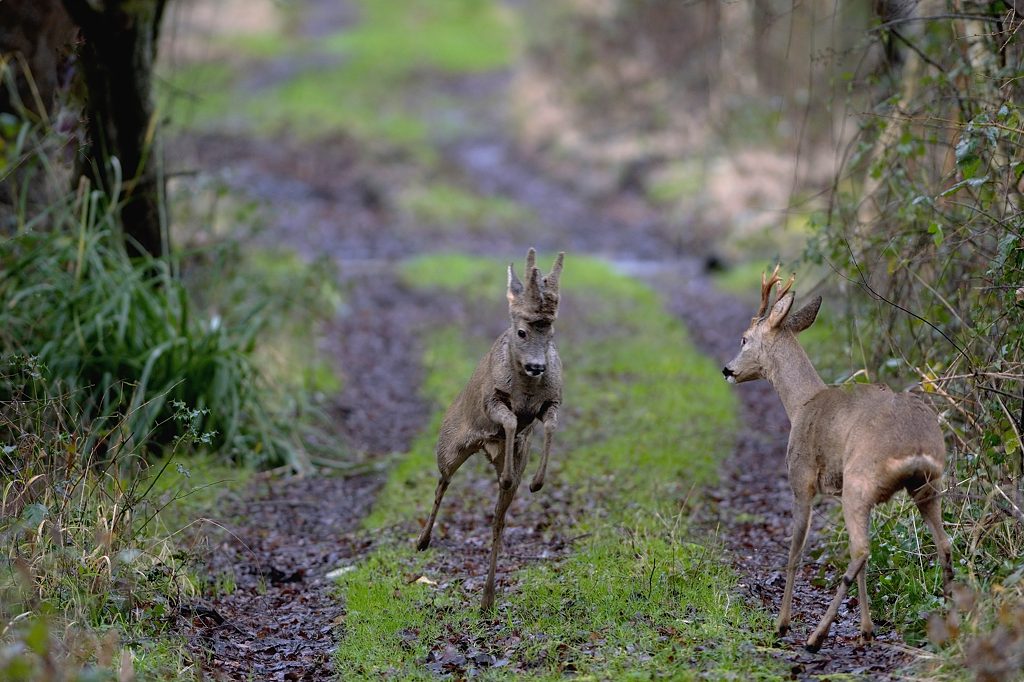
(743, 341)
(522, 333)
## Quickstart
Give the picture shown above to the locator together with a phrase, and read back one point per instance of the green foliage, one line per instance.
(86, 530)
(638, 590)
(125, 342)
(936, 270)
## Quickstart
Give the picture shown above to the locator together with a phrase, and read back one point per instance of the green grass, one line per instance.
(678, 181)
(451, 207)
(362, 74)
(644, 594)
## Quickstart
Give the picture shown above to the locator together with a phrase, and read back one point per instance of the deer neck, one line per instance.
(793, 376)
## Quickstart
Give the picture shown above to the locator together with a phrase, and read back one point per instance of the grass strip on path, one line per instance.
(641, 594)
(355, 79)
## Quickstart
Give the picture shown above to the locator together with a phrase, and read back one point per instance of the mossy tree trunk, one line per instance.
(116, 57)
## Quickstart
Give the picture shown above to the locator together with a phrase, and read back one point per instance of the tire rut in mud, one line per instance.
(272, 613)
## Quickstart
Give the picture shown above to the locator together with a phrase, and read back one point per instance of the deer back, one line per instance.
(867, 431)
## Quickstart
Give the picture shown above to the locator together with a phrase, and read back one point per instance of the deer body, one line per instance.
(874, 428)
(517, 384)
(468, 424)
(862, 442)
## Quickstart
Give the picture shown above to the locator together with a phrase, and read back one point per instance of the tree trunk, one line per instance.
(116, 58)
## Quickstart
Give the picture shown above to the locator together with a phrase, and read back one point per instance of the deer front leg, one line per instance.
(550, 424)
(500, 413)
(801, 524)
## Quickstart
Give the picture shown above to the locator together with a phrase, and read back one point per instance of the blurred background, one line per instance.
(200, 200)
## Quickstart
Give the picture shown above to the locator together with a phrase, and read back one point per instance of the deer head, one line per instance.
(533, 308)
(772, 324)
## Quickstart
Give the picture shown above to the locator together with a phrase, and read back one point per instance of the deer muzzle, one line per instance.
(535, 369)
(729, 375)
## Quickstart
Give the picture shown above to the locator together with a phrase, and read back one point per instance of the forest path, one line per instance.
(330, 197)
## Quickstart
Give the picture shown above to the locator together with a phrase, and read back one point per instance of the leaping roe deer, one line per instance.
(518, 383)
(862, 442)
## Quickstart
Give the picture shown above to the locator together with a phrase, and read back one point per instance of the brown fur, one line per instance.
(862, 442)
(496, 411)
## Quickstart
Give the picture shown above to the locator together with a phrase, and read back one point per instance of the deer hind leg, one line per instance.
(518, 465)
(858, 517)
(504, 500)
(929, 503)
(801, 524)
(448, 462)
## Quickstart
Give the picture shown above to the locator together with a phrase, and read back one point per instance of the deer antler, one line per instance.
(786, 287)
(766, 290)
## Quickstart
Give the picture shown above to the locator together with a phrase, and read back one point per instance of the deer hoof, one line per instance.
(867, 637)
(487, 604)
(812, 646)
(536, 485)
(781, 630)
(423, 543)
(505, 482)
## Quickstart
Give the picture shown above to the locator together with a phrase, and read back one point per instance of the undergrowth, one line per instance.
(924, 229)
(126, 400)
(640, 595)
(91, 579)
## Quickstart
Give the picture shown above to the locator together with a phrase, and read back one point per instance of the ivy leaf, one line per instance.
(967, 159)
(34, 514)
(969, 165)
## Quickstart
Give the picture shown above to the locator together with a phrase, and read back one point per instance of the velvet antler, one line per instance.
(766, 290)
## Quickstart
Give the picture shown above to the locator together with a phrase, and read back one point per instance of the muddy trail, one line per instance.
(270, 611)
(286, 535)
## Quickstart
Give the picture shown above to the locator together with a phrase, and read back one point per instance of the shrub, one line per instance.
(124, 340)
(925, 225)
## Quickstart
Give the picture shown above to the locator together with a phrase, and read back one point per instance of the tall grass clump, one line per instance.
(122, 337)
(117, 381)
(926, 230)
(88, 572)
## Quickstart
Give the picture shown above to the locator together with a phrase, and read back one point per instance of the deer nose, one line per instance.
(535, 368)
(726, 372)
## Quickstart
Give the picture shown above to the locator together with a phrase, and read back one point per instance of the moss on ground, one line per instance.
(355, 80)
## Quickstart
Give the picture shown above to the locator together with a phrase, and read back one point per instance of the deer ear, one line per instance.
(804, 318)
(780, 310)
(515, 287)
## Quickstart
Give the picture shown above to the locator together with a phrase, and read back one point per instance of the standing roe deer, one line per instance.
(860, 441)
(516, 384)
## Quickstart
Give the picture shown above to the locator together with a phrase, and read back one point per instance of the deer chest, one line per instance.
(525, 417)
